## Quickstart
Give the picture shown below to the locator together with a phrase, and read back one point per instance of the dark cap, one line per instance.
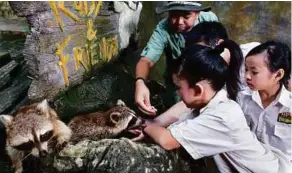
(182, 6)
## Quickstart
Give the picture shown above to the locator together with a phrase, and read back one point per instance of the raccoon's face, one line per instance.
(30, 129)
(123, 117)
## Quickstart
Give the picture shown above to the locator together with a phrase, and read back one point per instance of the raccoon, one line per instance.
(30, 130)
(101, 125)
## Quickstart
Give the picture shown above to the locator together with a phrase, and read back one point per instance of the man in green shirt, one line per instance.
(169, 36)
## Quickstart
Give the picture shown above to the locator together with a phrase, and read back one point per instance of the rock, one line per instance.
(38, 90)
(119, 155)
(101, 91)
(28, 8)
(112, 82)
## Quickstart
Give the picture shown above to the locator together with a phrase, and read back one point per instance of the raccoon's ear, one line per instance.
(115, 117)
(6, 120)
(43, 105)
(120, 103)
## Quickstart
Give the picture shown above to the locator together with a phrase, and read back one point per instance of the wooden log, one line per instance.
(10, 96)
(5, 73)
(3, 54)
(4, 57)
(19, 104)
(14, 25)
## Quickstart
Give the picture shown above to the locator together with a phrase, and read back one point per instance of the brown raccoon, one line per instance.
(100, 125)
(31, 130)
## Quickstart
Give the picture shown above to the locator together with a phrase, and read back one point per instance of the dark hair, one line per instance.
(278, 56)
(236, 60)
(210, 33)
(207, 32)
(202, 62)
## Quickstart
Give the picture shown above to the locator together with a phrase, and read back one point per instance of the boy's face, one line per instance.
(182, 21)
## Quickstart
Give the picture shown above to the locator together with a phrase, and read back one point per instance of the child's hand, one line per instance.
(140, 135)
(138, 132)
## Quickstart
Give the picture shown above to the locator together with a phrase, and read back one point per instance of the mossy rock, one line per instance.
(102, 89)
(98, 92)
(116, 155)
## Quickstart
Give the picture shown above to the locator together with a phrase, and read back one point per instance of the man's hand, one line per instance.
(142, 98)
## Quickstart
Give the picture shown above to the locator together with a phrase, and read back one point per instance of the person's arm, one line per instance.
(171, 115)
(150, 54)
(164, 120)
(142, 94)
(143, 66)
(161, 136)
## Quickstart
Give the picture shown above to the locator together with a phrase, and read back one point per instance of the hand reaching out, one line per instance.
(142, 98)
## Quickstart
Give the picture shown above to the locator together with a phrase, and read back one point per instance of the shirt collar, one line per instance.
(255, 96)
(219, 97)
(283, 97)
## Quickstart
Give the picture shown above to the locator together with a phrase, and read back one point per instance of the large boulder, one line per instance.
(117, 155)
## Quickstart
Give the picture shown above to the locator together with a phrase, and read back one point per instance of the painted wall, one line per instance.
(255, 21)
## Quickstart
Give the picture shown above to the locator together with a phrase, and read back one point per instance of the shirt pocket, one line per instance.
(282, 130)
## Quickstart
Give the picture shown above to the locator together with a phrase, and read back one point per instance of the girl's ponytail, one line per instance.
(236, 59)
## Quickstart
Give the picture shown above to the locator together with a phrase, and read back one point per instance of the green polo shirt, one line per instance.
(162, 37)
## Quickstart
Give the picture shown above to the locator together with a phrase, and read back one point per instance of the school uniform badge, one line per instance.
(284, 117)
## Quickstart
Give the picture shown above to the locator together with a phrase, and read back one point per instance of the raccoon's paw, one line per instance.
(62, 138)
(61, 146)
(61, 143)
(19, 170)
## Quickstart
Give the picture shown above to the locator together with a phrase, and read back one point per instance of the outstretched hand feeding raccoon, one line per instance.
(30, 131)
(101, 125)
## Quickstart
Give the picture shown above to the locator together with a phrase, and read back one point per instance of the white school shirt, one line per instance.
(265, 122)
(220, 130)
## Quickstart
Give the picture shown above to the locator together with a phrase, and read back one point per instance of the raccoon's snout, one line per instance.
(135, 122)
(142, 121)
